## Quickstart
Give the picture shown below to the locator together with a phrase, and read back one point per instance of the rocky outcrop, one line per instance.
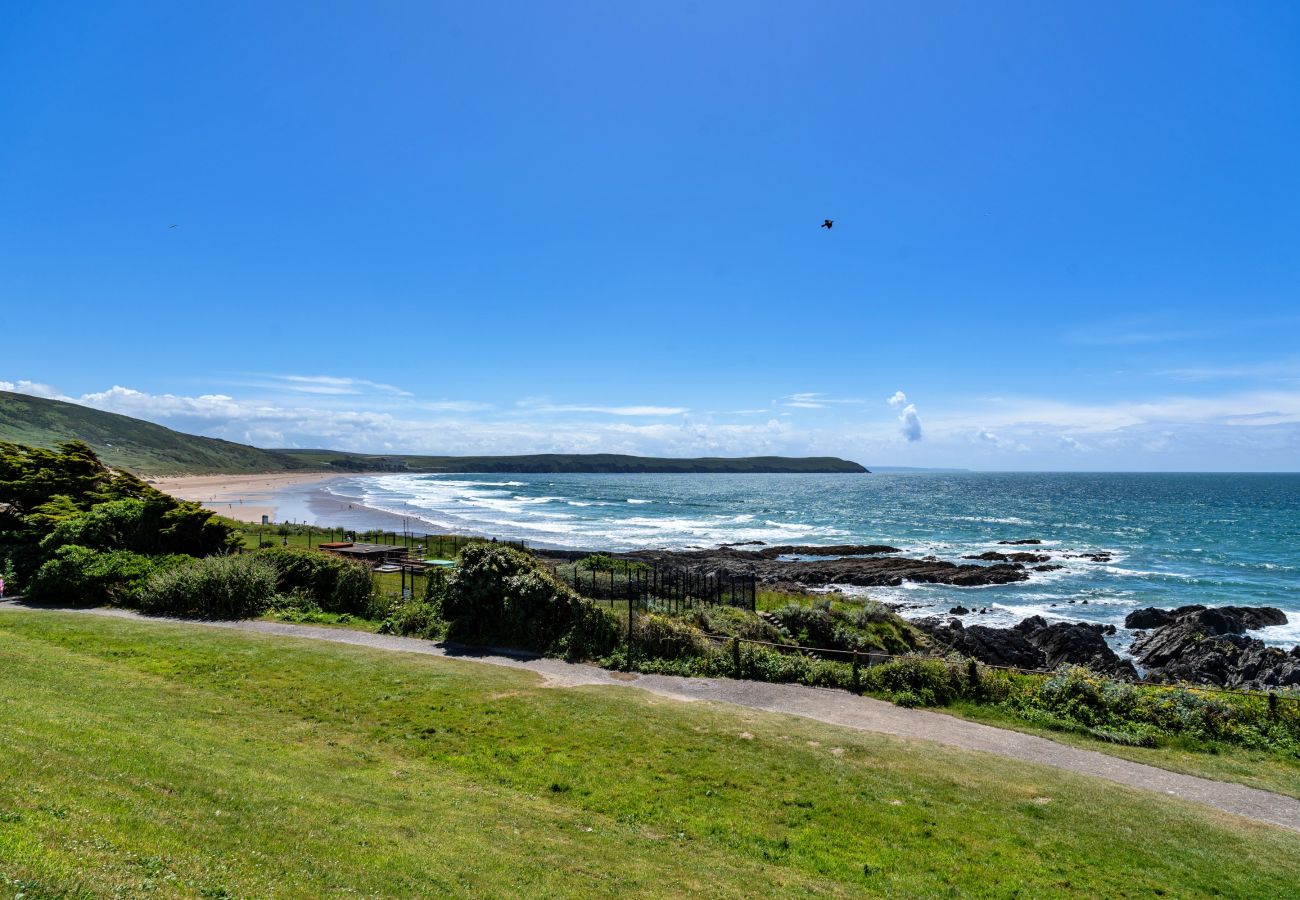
(1020, 543)
(835, 550)
(1208, 645)
(995, 556)
(992, 646)
(1076, 643)
(1032, 644)
(860, 565)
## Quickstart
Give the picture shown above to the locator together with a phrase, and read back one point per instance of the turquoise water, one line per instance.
(1175, 538)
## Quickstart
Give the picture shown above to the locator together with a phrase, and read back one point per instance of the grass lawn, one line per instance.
(182, 760)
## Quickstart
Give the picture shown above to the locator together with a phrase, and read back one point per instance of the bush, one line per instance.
(9, 574)
(870, 627)
(337, 585)
(501, 595)
(667, 637)
(219, 587)
(919, 680)
(416, 618)
(154, 524)
(81, 575)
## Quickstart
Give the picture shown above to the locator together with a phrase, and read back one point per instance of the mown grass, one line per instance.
(180, 760)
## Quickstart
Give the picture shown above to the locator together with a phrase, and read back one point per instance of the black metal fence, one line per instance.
(656, 588)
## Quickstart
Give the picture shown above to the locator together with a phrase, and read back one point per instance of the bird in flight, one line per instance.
(827, 223)
(171, 226)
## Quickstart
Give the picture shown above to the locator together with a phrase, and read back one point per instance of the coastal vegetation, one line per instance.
(145, 448)
(175, 760)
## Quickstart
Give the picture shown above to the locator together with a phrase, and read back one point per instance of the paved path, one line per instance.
(822, 704)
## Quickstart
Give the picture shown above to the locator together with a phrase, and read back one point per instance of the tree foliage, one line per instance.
(66, 497)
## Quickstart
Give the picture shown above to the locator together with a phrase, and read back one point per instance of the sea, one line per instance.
(1172, 539)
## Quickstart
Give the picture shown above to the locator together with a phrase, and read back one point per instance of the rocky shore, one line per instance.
(870, 565)
(1194, 644)
(1209, 645)
(1032, 644)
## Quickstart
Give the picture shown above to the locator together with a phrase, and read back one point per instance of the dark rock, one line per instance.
(992, 646)
(1052, 567)
(1152, 617)
(1217, 619)
(995, 556)
(958, 611)
(1209, 646)
(1080, 644)
(1020, 543)
(1032, 644)
(1101, 556)
(836, 550)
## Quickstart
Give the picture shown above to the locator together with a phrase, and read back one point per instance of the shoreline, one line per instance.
(244, 498)
(324, 499)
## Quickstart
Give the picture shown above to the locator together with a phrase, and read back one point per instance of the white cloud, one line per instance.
(32, 388)
(332, 384)
(911, 423)
(455, 406)
(817, 400)
(538, 406)
(909, 420)
(1240, 430)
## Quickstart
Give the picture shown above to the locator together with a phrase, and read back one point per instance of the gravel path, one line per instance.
(822, 704)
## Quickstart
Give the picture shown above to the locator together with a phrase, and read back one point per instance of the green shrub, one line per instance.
(501, 595)
(931, 682)
(594, 632)
(869, 627)
(218, 587)
(9, 574)
(416, 618)
(337, 585)
(667, 637)
(81, 575)
(153, 524)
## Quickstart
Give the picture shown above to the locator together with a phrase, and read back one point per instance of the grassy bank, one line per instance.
(1263, 769)
(178, 760)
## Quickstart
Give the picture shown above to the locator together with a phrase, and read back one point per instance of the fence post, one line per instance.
(1272, 706)
(735, 656)
(857, 674)
(972, 676)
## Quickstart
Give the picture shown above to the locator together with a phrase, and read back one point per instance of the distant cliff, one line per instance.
(144, 447)
(571, 462)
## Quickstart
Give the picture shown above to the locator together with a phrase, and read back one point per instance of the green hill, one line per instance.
(144, 447)
(568, 462)
(127, 443)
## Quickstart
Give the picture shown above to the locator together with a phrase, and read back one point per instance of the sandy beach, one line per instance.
(245, 498)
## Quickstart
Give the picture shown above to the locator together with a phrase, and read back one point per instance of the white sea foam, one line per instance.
(1287, 635)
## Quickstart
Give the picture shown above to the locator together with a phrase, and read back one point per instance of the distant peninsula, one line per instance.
(147, 448)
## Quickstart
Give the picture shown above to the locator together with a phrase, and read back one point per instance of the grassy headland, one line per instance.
(143, 447)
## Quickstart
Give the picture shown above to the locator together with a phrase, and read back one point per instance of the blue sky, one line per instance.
(1067, 236)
